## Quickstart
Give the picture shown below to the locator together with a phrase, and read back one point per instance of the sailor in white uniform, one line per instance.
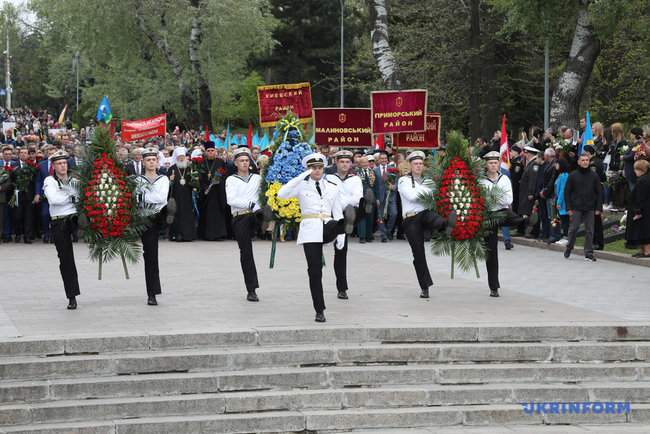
(417, 218)
(152, 194)
(503, 200)
(351, 192)
(322, 220)
(243, 194)
(62, 193)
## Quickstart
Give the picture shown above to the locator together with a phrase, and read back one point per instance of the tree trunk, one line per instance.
(205, 98)
(188, 101)
(585, 47)
(380, 46)
(475, 72)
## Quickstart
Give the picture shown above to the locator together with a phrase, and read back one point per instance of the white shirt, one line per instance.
(351, 189)
(303, 187)
(153, 194)
(504, 195)
(242, 191)
(60, 196)
(410, 191)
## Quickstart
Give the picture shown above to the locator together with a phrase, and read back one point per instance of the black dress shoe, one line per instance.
(152, 301)
(508, 245)
(320, 317)
(46, 240)
(494, 292)
(72, 303)
(343, 295)
(252, 296)
(424, 293)
(567, 253)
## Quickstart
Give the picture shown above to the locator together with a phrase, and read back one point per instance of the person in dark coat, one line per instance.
(596, 165)
(528, 183)
(214, 209)
(23, 211)
(637, 233)
(583, 197)
(183, 228)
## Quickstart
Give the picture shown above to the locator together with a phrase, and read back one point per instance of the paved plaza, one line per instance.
(203, 290)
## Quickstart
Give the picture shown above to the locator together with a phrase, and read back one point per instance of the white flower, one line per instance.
(104, 175)
(450, 194)
(97, 193)
(109, 212)
(114, 187)
(456, 181)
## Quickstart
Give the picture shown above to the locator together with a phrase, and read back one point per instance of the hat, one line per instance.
(492, 155)
(315, 158)
(58, 155)
(181, 150)
(343, 154)
(196, 153)
(370, 157)
(209, 144)
(415, 155)
(150, 152)
(358, 152)
(516, 148)
(531, 150)
(241, 152)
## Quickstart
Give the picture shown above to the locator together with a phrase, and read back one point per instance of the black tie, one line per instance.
(318, 189)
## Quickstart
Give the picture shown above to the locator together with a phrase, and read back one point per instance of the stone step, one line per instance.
(297, 400)
(339, 420)
(318, 378)
(616, 428)
(506, 332)
(30, 367)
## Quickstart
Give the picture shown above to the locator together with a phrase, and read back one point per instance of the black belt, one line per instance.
(62, 217)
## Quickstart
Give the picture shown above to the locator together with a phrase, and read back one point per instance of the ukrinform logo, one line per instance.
(586, 407)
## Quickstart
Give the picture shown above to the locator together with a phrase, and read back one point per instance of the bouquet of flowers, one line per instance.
(5, 173)
(456, 188)
(108, 205)
(23, 176)
(390, 181)
(284, 164)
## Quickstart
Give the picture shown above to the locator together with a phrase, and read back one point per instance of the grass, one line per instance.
(617, 246)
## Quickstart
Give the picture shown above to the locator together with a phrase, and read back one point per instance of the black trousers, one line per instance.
(314, 256)
(341, 267)
(599, 233)
(492, 258)
(244, 227)
(414, 229)
(62, 231)
(150, 255)
(23, 217)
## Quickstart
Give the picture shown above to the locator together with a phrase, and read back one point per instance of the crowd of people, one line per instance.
(557, 182)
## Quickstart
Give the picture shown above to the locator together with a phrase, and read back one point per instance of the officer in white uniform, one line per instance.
(62, 193)
(502, 202)
(417, 218)
(152, 194)
(351, 191)
(322, 220)
(242, 194)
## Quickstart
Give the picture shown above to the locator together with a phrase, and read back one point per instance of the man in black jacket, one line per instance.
(583, 197)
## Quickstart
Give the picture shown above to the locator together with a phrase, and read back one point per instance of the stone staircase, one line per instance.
(331, 379)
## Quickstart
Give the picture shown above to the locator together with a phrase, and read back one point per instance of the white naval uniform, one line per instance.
(328, 205)
(242, 191)
(60, 196)
(153, 193)
(410, 191)
(504, 198)
(351, 191)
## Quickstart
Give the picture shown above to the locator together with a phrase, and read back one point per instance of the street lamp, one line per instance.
(342, 71)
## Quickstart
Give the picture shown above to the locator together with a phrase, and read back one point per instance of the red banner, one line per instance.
(343, 127)
(276, 100)
(144, 128)
(429, 138)
(398, 111)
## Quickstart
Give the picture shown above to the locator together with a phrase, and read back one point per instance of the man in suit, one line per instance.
(135, 166)
(45, 169)
(386, 203)
(6, 190)
(23, 211)
(76, 159)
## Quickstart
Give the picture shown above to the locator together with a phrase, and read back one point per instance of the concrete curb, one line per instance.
(599, 254)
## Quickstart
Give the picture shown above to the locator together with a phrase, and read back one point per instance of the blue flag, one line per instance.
(104, 113)
(228, 136)
(587, 136)
(264, 142)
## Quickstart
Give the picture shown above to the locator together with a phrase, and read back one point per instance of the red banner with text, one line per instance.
(429, 138)
(276, 100)
(140, 129)
(398, 111)
(343, 127)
